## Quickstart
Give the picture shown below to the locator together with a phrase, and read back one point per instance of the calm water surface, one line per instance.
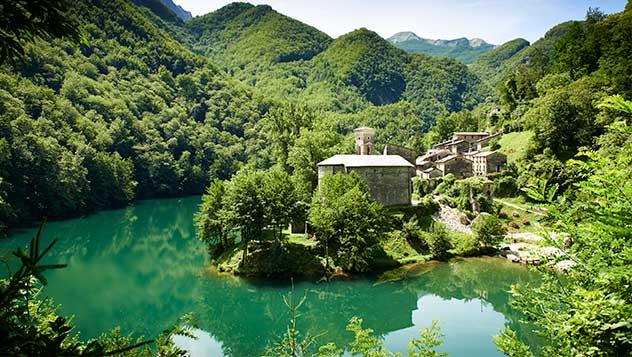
(142, 268)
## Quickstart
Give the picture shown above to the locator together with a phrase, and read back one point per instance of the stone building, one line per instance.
(364, 140)
(434, 154)
(407, 153)
(479, 144)
(461, 156)
(488, 162)
(457, 165)
(458, 147)
(430, 173)
(386, 176)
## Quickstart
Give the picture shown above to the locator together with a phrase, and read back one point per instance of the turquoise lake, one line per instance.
(142, 268)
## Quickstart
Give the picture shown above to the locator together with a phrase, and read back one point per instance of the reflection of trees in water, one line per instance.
(486, 279)
(135, 267)
(244, 315)
(245, 318)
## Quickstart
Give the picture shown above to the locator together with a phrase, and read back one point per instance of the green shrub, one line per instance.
(438, 241)
(413, 234)
(426, 207)
(421, 187)
(446, 183)
(465, 245)
(506, 186)
(489, 229)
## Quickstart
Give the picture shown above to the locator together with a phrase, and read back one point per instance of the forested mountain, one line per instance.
(497, 60)
(240, 33)
(462, 49)
(128, 113)
(284, 57)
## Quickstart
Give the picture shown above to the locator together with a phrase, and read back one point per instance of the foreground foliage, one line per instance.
(588, 312)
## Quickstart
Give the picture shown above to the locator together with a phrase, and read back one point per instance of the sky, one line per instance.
(495, 21)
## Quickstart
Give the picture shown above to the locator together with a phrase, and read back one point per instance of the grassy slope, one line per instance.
(515, 145)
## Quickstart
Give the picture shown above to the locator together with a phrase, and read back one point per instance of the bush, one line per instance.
(438, 241)
(489, 229)
(506, 186)
(466, 245)
(426, 207)
(446, 183)
(421, 187)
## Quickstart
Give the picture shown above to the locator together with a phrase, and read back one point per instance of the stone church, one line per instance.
(388, 177)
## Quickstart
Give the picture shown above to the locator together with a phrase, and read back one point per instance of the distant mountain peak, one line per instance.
(177, 9)
(404, 36)
(462, 48)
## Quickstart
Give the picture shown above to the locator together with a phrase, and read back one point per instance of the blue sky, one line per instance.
(495, 21)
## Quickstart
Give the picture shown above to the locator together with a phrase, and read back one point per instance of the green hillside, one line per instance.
(285, 58)
(239, 33)
(368, 62)
(130, 113)
(494, 62)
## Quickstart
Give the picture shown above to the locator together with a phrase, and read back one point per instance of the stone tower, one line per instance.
(364, 141)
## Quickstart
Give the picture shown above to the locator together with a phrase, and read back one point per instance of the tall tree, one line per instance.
(280, 200)
(347, 220)
(245, 206)
(210, 219)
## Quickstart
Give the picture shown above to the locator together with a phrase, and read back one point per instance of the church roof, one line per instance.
(366, 160)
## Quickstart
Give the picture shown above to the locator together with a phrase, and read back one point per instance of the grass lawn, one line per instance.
(528, 212)
(300, 238)
(514, 145)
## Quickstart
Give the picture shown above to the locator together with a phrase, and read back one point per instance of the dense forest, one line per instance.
(144, 107)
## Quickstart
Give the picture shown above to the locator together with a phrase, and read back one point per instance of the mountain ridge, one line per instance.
(177, 9)
(463, 49)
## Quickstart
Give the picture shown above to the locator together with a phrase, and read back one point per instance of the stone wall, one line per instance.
(496, 163)
(388, 185)
(332, 169)
(409, 154)
(459, 167)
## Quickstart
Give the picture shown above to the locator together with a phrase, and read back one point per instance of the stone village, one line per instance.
(388, 175)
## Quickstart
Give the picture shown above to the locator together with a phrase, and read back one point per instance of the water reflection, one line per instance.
(142, 268)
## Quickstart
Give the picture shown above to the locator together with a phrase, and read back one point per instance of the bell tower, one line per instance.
(364, 141)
